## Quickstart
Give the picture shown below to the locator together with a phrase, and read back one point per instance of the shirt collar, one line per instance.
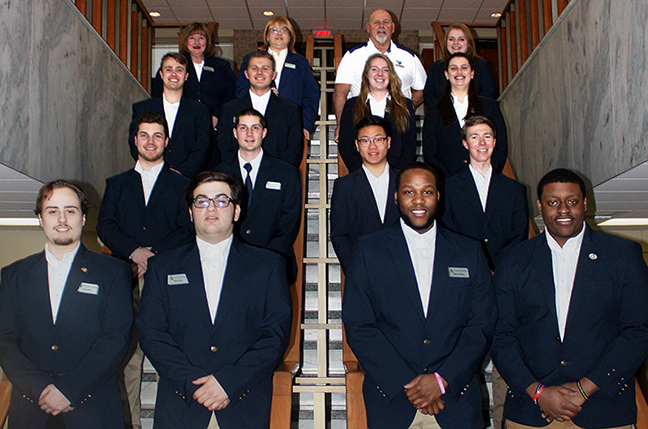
(168, 102)
(486, 176)
(572, 245)
(154, 170)
(384, 173)
(256, 162)
(263, 97)
(372, 46)
(210, 252)
(67, 258)
(410, 234)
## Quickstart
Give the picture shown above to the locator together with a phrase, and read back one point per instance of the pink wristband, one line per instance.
(440, 381)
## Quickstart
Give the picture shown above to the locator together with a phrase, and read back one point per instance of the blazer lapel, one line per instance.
(494, 195)
(159, 188)
(391, 212)
(364, 189)
(543, 267)
(235, 266)
(192, 267)
(470, 188)
(584, 270)
(259, 184)
(403, 265)
(443, 257)
(39, 280)
(75, 277)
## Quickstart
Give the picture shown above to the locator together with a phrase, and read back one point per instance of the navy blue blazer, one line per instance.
(272, 219)
(190, 143)
(505, 221)
(354, 212)
(435, 85)
(241, 349)
(125, 223)
(215, 88)
(285, 138)
(80, 353)
(403, 145)
(606, 336)
(442, 145)
(393, 341)
(297, 84)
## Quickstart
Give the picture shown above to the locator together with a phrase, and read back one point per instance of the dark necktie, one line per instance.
(248, 181)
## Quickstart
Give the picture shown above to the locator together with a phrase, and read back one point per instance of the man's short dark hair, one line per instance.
(477, 120)
(47, 190)
(560, 175)
(181, 59)
(215, 176)
(263, 54)
(417, 165)
(250, 112)
(153, 118)
(371, 120)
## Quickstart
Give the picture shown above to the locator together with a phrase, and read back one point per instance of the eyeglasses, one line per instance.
(279, 30)
(220, 201)
(378, 141)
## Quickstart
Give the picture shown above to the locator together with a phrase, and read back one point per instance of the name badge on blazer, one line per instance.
(88, 288)
(177, 279)
(458, 272)
(289, 65)
(207, 68)
(273, 185)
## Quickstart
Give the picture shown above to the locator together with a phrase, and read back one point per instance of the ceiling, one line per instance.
(324, 14)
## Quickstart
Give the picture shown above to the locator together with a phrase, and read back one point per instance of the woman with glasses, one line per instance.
(211, 79)
(442, 145)
(295, 80)
(380, 95)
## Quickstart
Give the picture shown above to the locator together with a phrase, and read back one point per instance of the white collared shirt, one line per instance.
(378, 108)
(149, 177)
(461, 108)
(260, 103)
(564, 262)
(407, 65)
(170, 113)
(380, 187)
(199, 68)
(213, 259)
(422, 248)
(280, 59)
(255, 163)
(482, 182)
(57, 274)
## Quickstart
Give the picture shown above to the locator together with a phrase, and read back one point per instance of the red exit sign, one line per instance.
(322, 33)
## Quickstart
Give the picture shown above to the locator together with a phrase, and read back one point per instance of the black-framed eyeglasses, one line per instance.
(378, 141)
(220, 201)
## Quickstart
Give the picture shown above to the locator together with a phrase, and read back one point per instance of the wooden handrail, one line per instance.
(5, 397)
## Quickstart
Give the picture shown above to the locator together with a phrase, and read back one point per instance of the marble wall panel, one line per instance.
(71, 107)
(629, 62)
(579, 102)
(14, 80)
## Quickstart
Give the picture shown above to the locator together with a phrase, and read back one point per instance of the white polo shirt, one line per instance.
(406, 63)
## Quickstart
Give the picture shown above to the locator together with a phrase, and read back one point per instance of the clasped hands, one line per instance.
(563, 402)
(425, 394)
(210, 394)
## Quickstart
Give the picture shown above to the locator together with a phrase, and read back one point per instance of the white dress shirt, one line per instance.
(213, 259)
(482, 182)
(57, 274)
(149, 177)
(378, 107)
(380, 188)
(260, 103)
(564, 262)
(461, 109)
(422, 248)
(280, 59)
(255, 163)
(170, 113)
(199, 68)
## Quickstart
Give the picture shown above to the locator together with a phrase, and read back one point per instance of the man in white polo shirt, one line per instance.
(380, 27)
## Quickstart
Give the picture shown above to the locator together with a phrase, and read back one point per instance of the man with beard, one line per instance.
(143, 213)
(65, 323)
(348, 78)
(419, 312)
